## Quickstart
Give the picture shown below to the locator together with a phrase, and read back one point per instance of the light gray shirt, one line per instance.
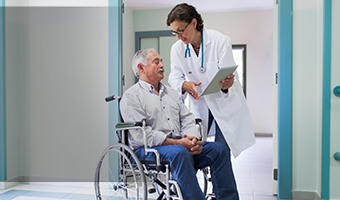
(165, 114)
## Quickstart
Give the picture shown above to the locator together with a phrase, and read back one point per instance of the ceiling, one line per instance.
(204, 5)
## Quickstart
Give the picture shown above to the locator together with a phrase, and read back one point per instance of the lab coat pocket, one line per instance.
(230, 105)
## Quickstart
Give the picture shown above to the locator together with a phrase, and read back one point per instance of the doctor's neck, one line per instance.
(196, 42)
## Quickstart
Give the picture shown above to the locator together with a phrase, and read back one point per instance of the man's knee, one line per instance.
(218, 149)
(180, 152)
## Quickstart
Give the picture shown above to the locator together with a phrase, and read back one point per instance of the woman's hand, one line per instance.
(190, 88)
(228, 82)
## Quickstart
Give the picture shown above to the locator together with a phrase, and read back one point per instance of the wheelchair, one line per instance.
(133, 177)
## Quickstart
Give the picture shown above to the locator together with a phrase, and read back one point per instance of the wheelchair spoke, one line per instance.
(117, 177)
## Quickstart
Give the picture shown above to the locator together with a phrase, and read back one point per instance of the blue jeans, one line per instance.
(183, 167)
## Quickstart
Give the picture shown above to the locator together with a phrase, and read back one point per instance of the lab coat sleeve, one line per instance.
(177, 75)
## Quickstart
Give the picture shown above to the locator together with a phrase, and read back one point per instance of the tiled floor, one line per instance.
(253, 172)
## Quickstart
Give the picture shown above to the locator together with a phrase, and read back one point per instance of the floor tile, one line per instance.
(252, 169)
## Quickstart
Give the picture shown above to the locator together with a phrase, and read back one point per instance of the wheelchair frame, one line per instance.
(130, 167)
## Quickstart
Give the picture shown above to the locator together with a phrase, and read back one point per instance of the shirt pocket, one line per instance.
(174, 111)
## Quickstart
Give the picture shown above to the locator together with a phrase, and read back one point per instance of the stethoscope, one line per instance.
(187, 52)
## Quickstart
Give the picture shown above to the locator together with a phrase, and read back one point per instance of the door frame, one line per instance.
(145, 34)
(3, 121)
(326, 102)
(285, 75)
(115, 63)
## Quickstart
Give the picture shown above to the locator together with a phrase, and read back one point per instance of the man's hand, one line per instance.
(228, 82)
(189, 142)
(194, 146)
(190, 88)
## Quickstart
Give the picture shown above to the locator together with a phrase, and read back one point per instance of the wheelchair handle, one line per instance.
(112, 97)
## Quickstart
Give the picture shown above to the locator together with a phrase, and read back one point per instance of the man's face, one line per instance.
(154, 70)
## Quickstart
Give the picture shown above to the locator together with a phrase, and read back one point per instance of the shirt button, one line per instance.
(168, 118)
(163, 107)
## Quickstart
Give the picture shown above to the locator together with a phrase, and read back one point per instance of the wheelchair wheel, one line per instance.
(205, 181)
(120, 175)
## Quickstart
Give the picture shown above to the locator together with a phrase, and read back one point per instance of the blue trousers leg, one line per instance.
(181, 166)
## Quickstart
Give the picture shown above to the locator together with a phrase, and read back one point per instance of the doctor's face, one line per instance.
(183, 30)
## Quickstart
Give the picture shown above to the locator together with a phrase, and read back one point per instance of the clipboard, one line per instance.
(214, 85)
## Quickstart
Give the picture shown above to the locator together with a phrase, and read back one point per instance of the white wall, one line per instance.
(307, 94)
(57, 78)
(253, 28)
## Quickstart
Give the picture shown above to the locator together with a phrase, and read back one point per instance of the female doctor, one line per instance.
(195, 59)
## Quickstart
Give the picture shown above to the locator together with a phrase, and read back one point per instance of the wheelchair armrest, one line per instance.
(122, 127)
(128, 124)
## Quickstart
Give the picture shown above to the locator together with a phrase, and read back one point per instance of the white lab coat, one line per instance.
(229, 110)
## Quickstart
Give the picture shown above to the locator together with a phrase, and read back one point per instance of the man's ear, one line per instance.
(140, 67)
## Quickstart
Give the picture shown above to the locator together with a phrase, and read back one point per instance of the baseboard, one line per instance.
(305, 195)
(53, 180)
(263, 135)
(9, 183)
(45, 181)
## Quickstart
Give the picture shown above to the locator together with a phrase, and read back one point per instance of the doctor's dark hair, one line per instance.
(184, 12)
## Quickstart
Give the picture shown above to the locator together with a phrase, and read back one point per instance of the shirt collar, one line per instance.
(148, 87)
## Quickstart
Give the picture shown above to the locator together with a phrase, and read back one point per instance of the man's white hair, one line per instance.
(141, 56)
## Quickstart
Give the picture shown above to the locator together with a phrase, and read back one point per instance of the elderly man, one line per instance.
(171, 129)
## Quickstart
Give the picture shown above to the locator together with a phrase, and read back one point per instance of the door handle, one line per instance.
(336, 91)
(337, 156)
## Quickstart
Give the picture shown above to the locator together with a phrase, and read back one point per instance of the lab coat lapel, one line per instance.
(206, 40)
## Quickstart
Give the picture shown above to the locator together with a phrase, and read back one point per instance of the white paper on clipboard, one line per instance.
(214, 85)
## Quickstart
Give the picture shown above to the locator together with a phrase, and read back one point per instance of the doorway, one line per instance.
(240, 58)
